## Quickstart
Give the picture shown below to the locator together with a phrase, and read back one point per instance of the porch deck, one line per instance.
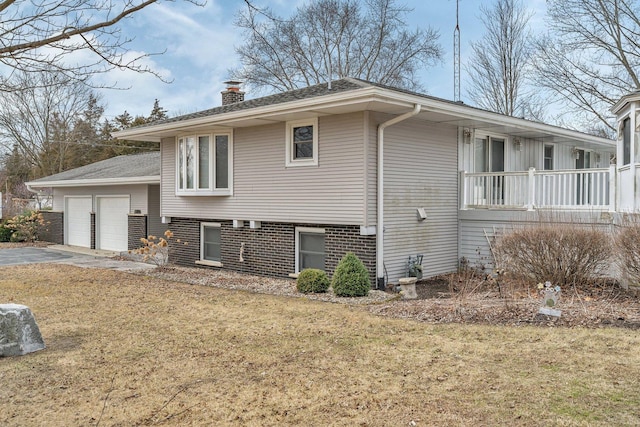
(577, 189)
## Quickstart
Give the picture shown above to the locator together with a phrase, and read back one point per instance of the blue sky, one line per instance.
(198, 45)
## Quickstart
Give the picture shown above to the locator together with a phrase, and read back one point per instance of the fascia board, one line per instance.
(627, 99)
(95, 182)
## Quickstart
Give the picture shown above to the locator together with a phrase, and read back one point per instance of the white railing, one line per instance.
(566, 189)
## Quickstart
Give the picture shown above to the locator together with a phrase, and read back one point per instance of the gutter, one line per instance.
(380, 216)
(94, 182)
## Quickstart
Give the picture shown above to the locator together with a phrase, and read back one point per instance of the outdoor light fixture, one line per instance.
(467, 135)
(517, 144)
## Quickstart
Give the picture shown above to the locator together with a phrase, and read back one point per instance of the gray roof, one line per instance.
(129, 166)
(337, 86)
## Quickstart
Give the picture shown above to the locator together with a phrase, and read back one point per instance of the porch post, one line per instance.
(532, 189)
(463, 190)
(633, 142)
(613, 180)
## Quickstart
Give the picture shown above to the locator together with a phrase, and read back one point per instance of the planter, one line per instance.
(408, 287)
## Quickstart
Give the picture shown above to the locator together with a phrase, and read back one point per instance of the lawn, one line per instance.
(130, 350)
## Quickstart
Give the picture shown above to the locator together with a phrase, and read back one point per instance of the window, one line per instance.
(309, 248)
(626, 141)
(210, 244)
(548, 157)
(489, 154)
(204, 164)
(302, 143)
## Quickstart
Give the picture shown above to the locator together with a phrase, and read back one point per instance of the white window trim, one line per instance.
(553, 157)
(304, 230)
(212, 161)
(289, 160)
(203, 261)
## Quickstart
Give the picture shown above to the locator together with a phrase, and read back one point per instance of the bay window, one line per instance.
(204, 164)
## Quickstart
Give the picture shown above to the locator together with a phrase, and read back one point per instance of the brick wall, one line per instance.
(54, 227)
(137, 229)
(342, 239)
(93, 230)
(269, 250)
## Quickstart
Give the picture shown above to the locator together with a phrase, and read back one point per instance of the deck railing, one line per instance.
(532, 189)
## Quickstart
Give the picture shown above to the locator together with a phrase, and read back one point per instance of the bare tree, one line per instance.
(500, 60)
(591, 57)
(40, 35)
(329, 39)
(38, 122)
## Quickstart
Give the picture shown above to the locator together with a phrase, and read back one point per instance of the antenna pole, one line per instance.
(456, 56)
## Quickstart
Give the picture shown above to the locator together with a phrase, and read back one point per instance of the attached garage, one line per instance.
(108, 205)
(112, 222)
(77, 214)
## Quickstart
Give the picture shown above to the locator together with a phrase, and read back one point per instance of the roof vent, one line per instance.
(232, 94)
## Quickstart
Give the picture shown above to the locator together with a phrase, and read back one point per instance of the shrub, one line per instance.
(156, 250)
(5, 233)
(312, 280)
(25, 227)
(627, 244)
(562, 253)
(351, 278)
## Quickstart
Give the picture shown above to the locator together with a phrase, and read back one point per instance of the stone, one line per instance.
(408, 287)
(19, 333)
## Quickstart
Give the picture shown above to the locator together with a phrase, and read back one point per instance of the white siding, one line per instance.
(420, 172)
(264, 190)
(137, 194)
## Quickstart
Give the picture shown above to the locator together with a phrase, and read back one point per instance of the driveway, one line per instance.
(32, 255)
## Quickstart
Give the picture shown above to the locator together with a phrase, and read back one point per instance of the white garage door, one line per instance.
(112, 223)
(77, 227)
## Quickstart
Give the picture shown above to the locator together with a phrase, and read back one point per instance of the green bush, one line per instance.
(351, 278)
(312, 280)
(5, 233)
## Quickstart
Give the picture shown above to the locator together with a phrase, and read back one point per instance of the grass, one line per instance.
(132, 350)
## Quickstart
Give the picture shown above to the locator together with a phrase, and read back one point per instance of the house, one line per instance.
(294, 180)
(106, 205)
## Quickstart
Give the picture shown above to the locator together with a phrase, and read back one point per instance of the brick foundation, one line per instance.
(137, 225)
(54, 227)
(269, 250)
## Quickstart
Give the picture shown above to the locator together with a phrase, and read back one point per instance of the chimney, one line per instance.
(233, 94)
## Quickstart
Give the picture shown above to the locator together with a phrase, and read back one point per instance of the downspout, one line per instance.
(380, 216)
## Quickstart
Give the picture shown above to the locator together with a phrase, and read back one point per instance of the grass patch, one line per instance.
(126, 350)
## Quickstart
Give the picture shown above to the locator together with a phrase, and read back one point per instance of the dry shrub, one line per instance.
(156, 250)
(562, 253)
(627, 245)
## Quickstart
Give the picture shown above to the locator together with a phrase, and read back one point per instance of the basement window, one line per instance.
(310, 248)
(210, 244)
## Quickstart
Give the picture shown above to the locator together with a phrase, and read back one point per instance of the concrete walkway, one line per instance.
(59, 254)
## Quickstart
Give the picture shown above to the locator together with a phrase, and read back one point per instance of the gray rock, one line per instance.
(19, 333)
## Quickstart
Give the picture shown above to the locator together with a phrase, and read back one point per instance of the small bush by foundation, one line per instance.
(312, 280)
(351, 278)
